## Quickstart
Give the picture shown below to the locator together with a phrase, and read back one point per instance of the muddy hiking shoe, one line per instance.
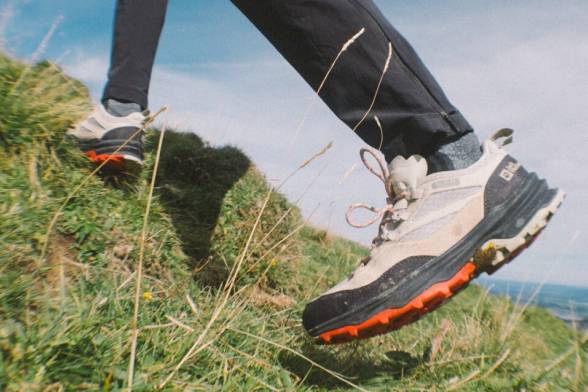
(437, 233)
(101, 136)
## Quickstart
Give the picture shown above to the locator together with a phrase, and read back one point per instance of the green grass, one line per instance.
(65, 317)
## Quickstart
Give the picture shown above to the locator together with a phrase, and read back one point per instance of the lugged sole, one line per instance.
(116, 162)
(492, 255)
(127, 159)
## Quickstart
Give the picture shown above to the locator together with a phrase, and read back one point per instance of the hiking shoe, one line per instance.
(438, 232)
(102, 136)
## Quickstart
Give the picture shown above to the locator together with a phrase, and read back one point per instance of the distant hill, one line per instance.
(568, 303)
(228, 267)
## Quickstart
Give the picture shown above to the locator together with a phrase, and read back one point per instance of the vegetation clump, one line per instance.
(229, 264)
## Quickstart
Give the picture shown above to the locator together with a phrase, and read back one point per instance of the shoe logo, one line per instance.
(509, 171)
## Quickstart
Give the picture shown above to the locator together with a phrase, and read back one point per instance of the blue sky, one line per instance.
(518, 64)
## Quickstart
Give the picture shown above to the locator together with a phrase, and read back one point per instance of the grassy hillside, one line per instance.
(66, 294)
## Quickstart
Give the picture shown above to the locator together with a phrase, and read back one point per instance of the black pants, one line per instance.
(414, 112)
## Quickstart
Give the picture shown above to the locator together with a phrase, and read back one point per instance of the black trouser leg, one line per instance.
(412, 108)
(137, 27)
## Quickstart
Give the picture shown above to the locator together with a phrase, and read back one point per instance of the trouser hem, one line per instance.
(423, 133)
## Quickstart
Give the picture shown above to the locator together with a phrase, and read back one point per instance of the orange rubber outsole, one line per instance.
(115, 162)
(392, 319)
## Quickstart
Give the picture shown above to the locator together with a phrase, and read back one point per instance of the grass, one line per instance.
(65, 317)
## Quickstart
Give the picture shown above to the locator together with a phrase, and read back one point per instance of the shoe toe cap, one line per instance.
(325, 309)
(353, 305)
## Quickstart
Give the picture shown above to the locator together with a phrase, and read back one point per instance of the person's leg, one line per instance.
(112, 133)
(437, 232)
(137, 27)
(415, 114)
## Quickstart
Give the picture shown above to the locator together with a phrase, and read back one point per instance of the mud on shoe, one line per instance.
(102, 136)
(437, 233)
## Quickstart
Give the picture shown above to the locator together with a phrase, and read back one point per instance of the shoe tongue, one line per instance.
(406, 173)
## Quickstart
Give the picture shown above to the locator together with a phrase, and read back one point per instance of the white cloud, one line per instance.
(6, 14)
(92, 70)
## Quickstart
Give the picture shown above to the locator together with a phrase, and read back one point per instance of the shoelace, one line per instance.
(386, 214)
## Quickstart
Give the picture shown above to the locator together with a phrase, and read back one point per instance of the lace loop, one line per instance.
(380, 212)
(502, 137)
(381, 163)
(384, 176)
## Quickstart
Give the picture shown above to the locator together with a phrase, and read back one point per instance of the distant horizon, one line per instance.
(489, 278)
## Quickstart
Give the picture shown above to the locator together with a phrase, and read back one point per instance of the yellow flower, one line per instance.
(274, 262)
(147, 296)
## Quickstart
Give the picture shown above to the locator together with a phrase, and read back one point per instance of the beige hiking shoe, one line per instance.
(437, 233)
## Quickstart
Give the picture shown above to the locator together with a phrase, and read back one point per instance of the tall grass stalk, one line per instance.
(338, 376)
(280, 221)
(227, 292)
(139, 266)
(41, 48)
(559, 360)
(344, 48)
(229, 284)
(384, 70)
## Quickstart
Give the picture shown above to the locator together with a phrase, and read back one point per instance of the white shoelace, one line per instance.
(387, 214)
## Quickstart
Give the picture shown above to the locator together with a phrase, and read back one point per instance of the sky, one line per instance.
(503, 64)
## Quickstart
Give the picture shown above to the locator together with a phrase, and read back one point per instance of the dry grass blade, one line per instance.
(42, 47)
(348, 173)
(313, 363)
(459, 383)
(257, 361)
(386, 66)
(227, 292)
(38, 52)
(496, 364)
(321, 85)
(563, 357)
(304, 164)
(438, 339)
(286, 238)
(377, 120)
(276, 225)
(476, 372)
(139, 267)
(198, 346)
(178, 323)
(318, 154)
(235, 271)
(192, 304)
